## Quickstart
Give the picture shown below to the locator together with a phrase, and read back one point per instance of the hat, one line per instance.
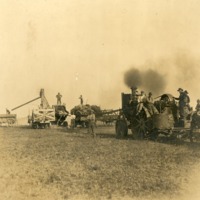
(180, 89)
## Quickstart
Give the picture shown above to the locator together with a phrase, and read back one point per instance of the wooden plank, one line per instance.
(8, 115)
(43, 115)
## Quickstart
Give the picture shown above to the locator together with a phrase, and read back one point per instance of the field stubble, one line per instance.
(55, 164)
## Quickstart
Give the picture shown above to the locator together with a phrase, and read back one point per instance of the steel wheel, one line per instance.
(35, 125)
(140, 128)
(121, 129)
(194, 137)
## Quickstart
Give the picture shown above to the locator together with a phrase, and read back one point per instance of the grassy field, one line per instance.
(58, 164)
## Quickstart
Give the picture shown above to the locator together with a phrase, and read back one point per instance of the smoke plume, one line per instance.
(133, 78)
(153, 81)
(148, 80)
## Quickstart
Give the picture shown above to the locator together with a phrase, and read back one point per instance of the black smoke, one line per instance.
(132, 78)
(154, 81)
(148, 80)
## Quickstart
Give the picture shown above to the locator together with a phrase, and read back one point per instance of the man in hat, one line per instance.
(91, 123)
(58, 96)
(182, 102)
(181, 95)
(150, 98)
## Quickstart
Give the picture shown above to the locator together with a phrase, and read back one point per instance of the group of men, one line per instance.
(146, 102)
(90, 118)
(143, 101)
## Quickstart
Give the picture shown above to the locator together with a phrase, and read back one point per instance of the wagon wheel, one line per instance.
(35, 125)
(193, 137)
(140, 127)
(121, 129)
(47, 125)
(154, 134)
(195, 126)
(11, 121)
(65, 124)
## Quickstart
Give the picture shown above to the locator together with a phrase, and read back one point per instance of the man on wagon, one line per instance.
(81, 99)
(58, 96)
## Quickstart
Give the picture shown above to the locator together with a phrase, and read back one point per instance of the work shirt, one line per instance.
(150, 99)
(182, 99)
(59, 96)
(91, 118)
(142, 98)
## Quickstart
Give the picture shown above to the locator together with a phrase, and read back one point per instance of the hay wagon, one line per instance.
(81, 112)
(8, 119)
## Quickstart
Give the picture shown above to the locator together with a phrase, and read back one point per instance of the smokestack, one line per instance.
(134, 95)
(133, 90)
(133, 78)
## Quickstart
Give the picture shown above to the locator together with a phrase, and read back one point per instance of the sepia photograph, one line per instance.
(100, 100)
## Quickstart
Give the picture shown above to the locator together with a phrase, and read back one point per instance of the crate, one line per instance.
(43, 115)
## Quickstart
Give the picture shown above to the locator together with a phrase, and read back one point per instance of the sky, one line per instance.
(84, 47)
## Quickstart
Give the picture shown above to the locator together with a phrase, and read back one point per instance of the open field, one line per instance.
(56, 164)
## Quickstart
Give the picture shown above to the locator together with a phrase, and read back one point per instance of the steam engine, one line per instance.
(165, 121)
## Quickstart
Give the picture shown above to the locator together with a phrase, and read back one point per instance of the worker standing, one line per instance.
(58, 96)
(182, 102)
(81, 99)
(91, 123)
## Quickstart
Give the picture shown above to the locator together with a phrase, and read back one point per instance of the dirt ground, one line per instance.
(58, 164)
